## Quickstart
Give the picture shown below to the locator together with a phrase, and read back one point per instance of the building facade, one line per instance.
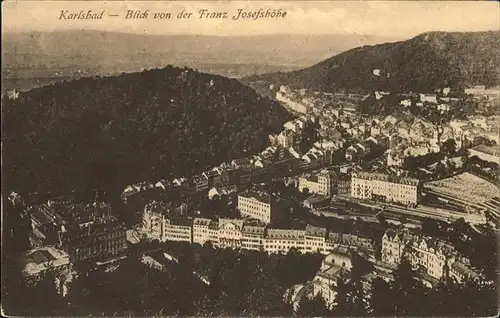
(252, 237)
(385, 188)
(282, 241)
(430, 257)
(256, 205)
(201, 230)
(179, 229)
(324, 183)
(315, 238)
(94, 241)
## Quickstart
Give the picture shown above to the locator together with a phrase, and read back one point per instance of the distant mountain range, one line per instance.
(97, 53)
(423, 63)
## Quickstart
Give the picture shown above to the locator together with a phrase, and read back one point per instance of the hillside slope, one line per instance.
(111, 50)
(111, 131)
(426, 62)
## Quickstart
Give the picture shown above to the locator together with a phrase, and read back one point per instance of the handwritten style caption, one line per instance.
(240, 14)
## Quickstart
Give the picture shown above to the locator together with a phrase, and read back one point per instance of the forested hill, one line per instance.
(112, 131)
(424, 63)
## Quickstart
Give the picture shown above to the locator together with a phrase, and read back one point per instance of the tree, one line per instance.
(351, 296)
(408, 293)
(431, 227)
(449, 147)
(314, 307)
(381, 301)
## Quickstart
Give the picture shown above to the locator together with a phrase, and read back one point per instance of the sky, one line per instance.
(401, 19)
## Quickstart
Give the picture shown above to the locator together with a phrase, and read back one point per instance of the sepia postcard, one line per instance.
(250, 158)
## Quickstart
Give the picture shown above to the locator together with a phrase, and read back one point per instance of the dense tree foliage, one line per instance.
(406, 296)
(242, 283)
(108, 132)
(424, 63)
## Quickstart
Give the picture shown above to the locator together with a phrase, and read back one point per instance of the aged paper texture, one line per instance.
(250, 158)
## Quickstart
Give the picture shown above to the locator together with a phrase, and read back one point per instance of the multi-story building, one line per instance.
(201, 230)
(214, 178)
(285, 139)
(153, 220)
(315, 238)
(83, 231)
(213, 233)
(381, 187)
(252, 237)
(95, 240)
(309, 182)
(431, 257)
(343, 240)
(323, 183)
(393, 245)
(200, 183)
(179, 229)
(281, 240)
(327, 183)
(230, 232)
(256, 205)
(461, 270)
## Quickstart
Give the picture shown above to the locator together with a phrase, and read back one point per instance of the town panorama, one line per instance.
(364, 184)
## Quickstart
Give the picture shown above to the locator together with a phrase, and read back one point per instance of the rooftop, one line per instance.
(237, 222)
(387, 178)
(316, 199)
(181, 221)
(464, 270)
(43, 258)
(285, 234)
(252, 229)
(315, 231)
(259, 196)
(201, 221)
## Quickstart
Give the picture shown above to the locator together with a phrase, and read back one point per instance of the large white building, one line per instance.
(256, 205)
(382, 187)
